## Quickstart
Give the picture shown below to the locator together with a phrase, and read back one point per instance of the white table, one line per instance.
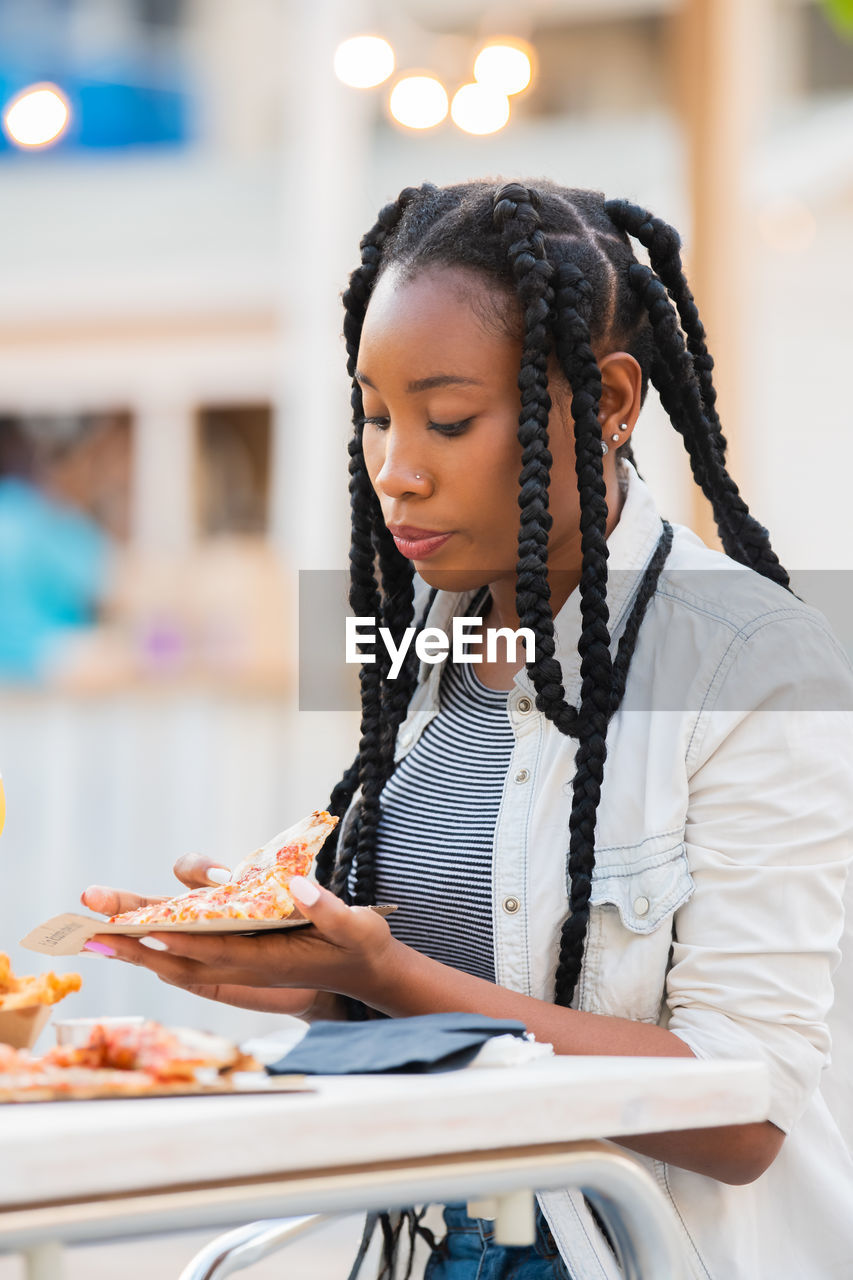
(82, 1171)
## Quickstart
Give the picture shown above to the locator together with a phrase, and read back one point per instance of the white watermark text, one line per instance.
(434, 645)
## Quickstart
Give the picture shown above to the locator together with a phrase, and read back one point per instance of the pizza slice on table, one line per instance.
(130, 1061)
(258, 888)
(168, 1054)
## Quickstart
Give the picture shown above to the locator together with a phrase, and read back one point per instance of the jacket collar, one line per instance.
(630, 547)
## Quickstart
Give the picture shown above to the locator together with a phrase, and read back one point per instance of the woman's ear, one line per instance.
(621, 388)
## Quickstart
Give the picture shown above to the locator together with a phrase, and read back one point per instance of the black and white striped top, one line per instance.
(439, 811)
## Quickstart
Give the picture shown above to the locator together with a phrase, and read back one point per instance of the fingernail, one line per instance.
(304, 891)
(154, 944)
(219, 875)
(98, 948)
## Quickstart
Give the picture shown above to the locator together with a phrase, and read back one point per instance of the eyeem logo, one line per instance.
(434, 645)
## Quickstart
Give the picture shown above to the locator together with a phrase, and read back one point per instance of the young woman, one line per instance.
(636, 842)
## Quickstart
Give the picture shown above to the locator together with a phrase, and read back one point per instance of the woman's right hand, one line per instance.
(194, 871)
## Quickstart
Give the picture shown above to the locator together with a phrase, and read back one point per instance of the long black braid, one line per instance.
(565, 257)
(581, 368)
(370, 541)
(741, 534)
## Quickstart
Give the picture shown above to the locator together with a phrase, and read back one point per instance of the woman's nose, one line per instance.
(402, 475)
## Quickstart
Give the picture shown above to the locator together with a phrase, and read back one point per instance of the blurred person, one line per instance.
(635, 842)
(55, 561)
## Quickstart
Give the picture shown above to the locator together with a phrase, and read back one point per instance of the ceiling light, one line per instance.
(477, 108)
(418, 102)
(507, 67)
(37, 116)
(364, 61)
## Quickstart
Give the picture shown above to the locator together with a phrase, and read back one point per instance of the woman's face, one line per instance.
(441, 402)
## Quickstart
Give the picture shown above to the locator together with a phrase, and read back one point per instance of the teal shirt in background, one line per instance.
(53, 570)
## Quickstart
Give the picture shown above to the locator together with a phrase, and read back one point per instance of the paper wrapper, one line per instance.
(22, 1027)
(65, 935)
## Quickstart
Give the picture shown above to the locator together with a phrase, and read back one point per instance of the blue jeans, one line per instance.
(469, 1252)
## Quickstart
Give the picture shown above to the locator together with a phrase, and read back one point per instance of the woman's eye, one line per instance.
(443, 428)
(451, 428)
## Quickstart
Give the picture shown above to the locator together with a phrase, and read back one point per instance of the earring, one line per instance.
(605, 447)
(623, 426)
(615, 437)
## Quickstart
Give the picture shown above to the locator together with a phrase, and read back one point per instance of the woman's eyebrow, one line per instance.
(429, 384)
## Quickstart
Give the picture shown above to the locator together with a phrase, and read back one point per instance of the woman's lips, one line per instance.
(417, 544)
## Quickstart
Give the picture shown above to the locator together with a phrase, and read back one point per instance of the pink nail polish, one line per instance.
(304, 891)
(98, 948)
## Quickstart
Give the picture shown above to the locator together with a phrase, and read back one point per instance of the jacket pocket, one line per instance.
(636, 890)
(645, 883)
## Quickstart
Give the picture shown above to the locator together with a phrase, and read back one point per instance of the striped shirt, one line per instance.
(439, 811)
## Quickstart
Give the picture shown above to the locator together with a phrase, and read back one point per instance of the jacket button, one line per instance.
(522, 775)
(641, 906)
(511, 905)
(524, 705)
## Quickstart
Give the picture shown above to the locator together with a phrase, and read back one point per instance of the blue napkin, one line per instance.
(433, 1042)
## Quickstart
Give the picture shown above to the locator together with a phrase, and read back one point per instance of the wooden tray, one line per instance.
(239, 1085)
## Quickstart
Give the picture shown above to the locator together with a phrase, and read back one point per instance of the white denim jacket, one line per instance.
(723, 838)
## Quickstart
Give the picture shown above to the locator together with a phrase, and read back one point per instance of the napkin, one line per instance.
(433, 1042)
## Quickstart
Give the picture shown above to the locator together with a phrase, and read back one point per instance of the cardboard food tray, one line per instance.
(243, 1083)
(20, 1028)
(65, 935)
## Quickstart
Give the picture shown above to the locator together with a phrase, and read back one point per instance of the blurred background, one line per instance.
(183, 185)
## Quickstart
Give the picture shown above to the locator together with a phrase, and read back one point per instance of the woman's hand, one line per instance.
(196, 872)
(346, 952)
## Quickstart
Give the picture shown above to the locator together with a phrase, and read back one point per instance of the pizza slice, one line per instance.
(123, 1061)
(167, 1054)
(12, 1059)
(33, 1082)
(258, 889)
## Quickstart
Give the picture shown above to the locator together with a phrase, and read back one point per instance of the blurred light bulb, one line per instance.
(418, 102)
(364, 61)
(505, 67)
(37, 116)
(477, 108)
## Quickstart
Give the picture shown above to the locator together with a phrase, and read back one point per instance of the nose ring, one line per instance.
(417, 477)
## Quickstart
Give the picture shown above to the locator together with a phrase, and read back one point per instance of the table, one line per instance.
(83, 1171)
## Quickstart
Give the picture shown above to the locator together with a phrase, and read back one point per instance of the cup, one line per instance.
(76, 1031)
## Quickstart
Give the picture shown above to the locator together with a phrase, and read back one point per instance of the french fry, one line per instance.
(29, 990)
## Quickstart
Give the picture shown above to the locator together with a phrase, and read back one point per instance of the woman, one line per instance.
(683, 896)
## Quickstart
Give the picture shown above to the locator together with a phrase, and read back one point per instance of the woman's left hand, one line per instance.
(347, 951)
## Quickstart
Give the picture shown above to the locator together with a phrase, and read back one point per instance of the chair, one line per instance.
(246, 1245)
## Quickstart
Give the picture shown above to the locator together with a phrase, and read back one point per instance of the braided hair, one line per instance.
(565, 257)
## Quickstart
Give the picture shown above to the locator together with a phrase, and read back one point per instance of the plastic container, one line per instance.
(76, 1031)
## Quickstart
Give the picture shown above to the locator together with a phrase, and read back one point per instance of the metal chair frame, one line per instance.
(640, 1224)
